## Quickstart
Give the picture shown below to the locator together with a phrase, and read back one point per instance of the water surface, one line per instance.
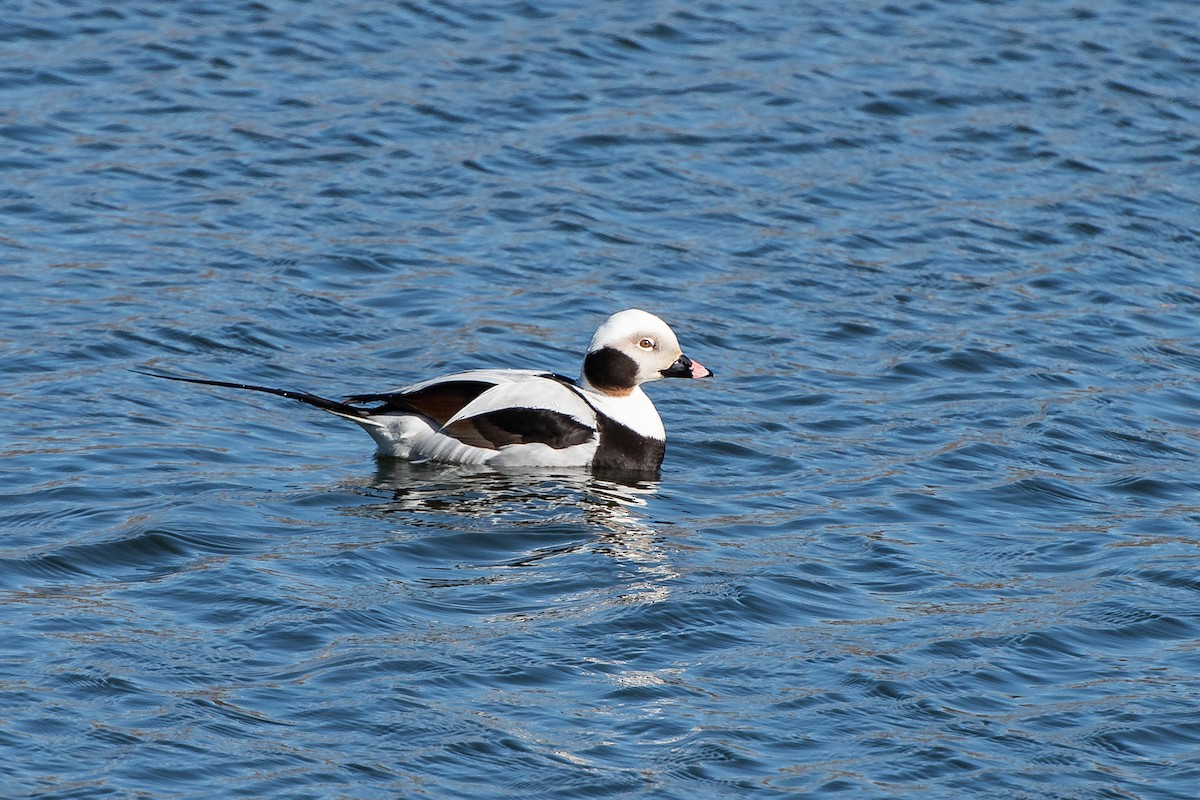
(932, 531)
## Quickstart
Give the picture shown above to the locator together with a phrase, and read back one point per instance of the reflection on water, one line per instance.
(464, 528)
(504, 519)
(513, 497)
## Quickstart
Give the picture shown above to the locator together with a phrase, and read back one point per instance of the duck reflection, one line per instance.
(476, 515)
(609, 500)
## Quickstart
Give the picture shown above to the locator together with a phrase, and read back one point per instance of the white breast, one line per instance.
(634, 410)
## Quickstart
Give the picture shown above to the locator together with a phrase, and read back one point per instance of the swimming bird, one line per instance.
(527, 418)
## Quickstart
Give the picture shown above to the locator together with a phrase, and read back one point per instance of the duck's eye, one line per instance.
(646, 344)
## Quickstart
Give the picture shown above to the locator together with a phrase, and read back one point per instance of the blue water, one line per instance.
(933, 531)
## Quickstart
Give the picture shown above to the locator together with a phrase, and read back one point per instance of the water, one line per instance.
(932, 531)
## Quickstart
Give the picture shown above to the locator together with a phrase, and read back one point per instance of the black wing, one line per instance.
(439, 401)
(496, 429)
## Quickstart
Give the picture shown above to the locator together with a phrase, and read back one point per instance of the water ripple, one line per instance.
(932, 531)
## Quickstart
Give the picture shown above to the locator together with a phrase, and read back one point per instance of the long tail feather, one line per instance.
(332, 406)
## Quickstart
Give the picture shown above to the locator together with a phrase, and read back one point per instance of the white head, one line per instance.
(631, 348)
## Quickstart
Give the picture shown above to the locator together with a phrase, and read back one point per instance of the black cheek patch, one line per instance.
(607, 368)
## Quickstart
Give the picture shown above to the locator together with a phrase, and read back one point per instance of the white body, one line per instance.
(417, 438)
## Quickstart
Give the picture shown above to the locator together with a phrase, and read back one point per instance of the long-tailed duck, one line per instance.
(527, 418)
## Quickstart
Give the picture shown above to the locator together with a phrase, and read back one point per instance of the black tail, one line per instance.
(333, 406)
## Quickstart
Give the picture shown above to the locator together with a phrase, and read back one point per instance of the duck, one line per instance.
(525, 418)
